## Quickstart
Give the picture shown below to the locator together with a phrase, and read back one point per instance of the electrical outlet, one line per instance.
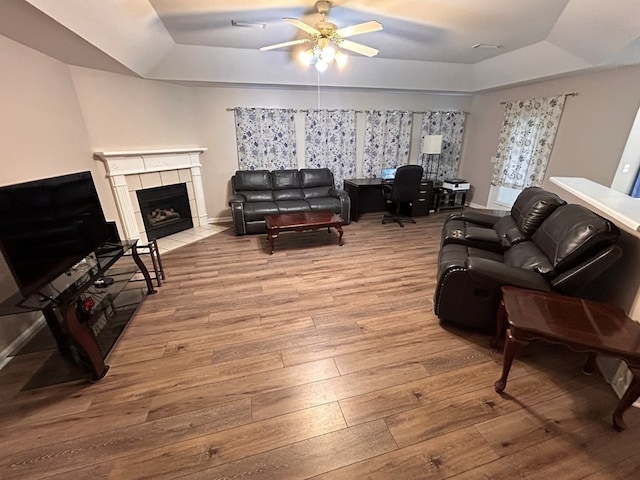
(626, 168)
(494, 159)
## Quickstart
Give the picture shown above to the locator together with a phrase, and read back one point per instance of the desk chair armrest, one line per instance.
(386, 190)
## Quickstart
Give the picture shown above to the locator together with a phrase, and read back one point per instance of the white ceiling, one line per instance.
(425, 44)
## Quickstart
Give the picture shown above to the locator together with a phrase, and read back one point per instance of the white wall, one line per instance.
(592, 134)
(43, 135)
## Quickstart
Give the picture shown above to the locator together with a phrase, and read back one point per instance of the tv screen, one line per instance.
(48, 225)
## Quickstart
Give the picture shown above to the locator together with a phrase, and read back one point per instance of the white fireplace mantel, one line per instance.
(122, 164)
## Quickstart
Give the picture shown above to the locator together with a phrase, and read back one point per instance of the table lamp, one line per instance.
(431, 145)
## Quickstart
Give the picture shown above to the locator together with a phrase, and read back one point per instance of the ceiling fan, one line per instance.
(326, 36)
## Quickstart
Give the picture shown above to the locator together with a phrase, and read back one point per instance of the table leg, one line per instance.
(590, 364)
(339, 229)
(500, 324)
(630, 396)
(271, 237)
(143, 269)
(511, 347)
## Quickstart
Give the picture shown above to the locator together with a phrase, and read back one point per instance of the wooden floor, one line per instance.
(319, 362)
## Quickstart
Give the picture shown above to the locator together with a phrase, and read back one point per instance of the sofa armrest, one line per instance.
(236, 198)
(236, 202)
(583, 274)
(345, 201)
(489, 272)
(335, 192)
(479, 218)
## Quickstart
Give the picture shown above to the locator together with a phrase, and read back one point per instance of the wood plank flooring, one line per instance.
(320, 362)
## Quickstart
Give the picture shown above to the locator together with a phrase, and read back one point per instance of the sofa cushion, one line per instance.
(289, 194)
(257, 195)
(252, 180)
(573, 232)
(532, 207)
(528, 256)
(254, 185)
(292, 206)
(254, 211)
(316, 177)
(285, 179)
(317, 192)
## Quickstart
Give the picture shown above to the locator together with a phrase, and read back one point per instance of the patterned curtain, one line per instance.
(330, 141)
(526, 140)
(451, 126)
(266, 138)
(387, 141)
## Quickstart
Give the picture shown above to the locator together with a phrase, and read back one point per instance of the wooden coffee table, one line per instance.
(582, 325)
(298, 222)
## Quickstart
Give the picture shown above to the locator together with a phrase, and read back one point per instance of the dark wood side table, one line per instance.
(581, 325)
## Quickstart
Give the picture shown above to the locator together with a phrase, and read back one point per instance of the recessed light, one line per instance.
(235, 23)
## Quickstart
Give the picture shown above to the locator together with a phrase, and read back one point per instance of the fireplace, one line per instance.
(165, 210)
(130, 171)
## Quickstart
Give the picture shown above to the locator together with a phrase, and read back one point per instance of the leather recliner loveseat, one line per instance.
(568, 250)
(257, 193)
(500, 232)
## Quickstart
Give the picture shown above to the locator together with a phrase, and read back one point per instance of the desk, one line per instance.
(366, 197)
(582, 325)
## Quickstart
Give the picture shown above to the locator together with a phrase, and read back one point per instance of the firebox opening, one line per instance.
(165, 210)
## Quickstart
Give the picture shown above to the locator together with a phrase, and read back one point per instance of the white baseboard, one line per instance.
(617, 374)
(476, 205)
(216, 220)
(20, 341)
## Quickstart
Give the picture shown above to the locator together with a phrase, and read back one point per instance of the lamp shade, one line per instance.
(432, 144)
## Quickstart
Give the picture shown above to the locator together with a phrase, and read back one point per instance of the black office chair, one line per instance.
(403, 190)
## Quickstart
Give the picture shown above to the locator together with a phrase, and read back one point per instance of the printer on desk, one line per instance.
(455, 184)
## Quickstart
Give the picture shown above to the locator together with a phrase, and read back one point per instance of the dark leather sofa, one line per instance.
(569, 248)
(257, 193)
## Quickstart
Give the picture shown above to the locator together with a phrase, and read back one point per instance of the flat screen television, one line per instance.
(49, 225)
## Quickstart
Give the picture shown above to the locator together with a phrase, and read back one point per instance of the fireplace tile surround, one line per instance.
(129, 171)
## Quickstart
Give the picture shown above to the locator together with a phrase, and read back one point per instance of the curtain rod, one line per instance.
(231, 109)
(570, 94)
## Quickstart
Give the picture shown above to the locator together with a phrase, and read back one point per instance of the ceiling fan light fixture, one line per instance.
(306, 57)
(341, 59)
(321, 65)
(326, 38)
(328, 53)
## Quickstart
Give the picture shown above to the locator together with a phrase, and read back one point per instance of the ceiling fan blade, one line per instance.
(358, 48)
(302, 26)
(359, 29)
(284, 44)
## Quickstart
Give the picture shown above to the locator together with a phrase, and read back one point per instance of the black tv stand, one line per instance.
(86, 321)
